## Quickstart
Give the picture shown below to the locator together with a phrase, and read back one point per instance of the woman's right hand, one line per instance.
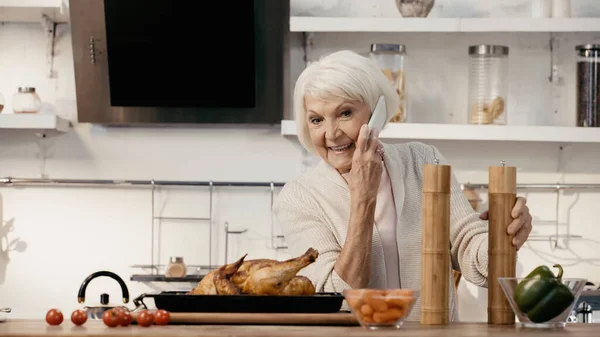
(353, 262)
(367, 166)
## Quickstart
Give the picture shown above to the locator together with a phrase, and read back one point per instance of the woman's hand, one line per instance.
(521, 226)
(367, 166)
(353, 264)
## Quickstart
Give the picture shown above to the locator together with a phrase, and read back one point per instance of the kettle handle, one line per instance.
(139, 302)
(124, 290)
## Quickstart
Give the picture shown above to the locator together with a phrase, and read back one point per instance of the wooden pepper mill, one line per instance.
(502, 255)
(435, 250)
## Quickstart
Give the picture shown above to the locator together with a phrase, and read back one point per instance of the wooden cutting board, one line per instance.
(346, 319)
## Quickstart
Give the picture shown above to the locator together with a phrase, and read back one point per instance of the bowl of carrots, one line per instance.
(381, 308)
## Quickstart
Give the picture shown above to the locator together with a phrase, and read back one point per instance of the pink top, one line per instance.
(386, 221)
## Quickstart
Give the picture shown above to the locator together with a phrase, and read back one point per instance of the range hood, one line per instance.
(179, 62)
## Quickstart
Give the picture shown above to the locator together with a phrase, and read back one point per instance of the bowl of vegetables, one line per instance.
(542, 299)
(381, 308)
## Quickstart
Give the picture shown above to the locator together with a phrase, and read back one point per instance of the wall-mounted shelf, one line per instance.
(162, 278)
(504, 133)
(447, 25)
(28, 11)
(34, 122)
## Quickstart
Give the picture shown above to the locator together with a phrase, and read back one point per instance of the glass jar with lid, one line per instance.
(390, 58)
(588, 86)
(26, 100)
(488, 84)
(176, 267)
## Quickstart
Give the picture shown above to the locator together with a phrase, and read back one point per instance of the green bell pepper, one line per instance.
(542, 296)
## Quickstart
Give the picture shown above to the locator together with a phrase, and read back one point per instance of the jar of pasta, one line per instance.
(488, 84)
(390, 58)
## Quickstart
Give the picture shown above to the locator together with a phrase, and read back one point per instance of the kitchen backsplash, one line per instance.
(72, 232)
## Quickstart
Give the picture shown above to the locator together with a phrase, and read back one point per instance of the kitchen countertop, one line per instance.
(31, 328)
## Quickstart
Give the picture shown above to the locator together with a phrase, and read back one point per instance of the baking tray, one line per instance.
(180, 301)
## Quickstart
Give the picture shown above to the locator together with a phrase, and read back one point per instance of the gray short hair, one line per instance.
(344, 74)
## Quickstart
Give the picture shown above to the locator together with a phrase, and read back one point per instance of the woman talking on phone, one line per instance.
(360, 207)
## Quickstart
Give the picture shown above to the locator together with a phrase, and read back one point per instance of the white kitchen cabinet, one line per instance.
(401, 132)
(30, 3)
(22, 11)
(42, 123)
(442, 25)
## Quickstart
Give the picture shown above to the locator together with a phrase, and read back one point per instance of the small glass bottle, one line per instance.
(488, 84)
(588, 86)
(390, 58)
(176, 267)
(26, 100)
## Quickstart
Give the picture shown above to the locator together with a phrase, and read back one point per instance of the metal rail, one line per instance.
(121, 183)
(117, 182)
(553, 187)
(227, 232)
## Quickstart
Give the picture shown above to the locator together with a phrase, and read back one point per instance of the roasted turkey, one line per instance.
(259, 277)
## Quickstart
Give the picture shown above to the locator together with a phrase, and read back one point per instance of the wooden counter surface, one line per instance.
(30, 328)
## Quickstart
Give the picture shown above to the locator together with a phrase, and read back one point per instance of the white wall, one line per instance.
(84, 229)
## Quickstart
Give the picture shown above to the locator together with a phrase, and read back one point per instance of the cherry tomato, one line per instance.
(78, 317)
(111, 318)
(126, 318)
(123, 316)
(117, 310)
(161, 317)
(54, 317)
(145, 318)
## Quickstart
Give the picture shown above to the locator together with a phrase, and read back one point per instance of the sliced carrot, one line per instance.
(367, 319)
(366, 310)
(377, 303)
(389, 315)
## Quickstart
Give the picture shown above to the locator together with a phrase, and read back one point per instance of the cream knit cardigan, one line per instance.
(314, 210)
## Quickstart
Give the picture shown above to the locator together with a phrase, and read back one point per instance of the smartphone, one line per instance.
(379, 115)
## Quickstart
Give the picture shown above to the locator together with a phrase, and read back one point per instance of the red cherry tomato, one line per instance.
(111, 318)
(145, 318)
(161, 317)
(126, 318)
(78, 317)
(54, 317)
(118, 310)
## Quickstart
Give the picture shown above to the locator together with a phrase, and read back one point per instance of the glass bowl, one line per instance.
(381, 308)
(544, 307)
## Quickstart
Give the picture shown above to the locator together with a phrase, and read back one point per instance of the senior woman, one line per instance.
(360, 207)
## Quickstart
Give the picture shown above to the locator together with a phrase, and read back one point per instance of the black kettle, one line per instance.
(95, 312)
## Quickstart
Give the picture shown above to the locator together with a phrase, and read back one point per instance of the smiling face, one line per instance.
(333, 125)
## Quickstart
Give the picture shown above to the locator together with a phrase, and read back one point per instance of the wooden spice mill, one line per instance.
(435, 250)
(502, 255)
